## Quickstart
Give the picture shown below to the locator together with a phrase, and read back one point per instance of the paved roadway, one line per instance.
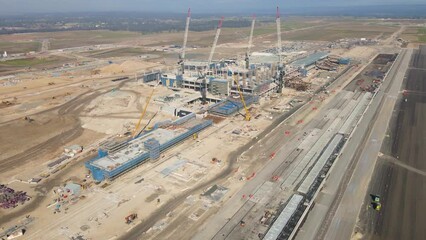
(345, 216)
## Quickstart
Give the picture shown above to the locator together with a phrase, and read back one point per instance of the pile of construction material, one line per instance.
(10, 198)
(73, 150)
(297, 84)
(66, 195)
(332, 62)
(10, 82)
(329, 64)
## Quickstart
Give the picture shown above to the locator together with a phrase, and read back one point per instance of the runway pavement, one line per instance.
(399, 177)
(342, 215)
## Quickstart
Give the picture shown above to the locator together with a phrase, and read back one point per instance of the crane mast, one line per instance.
(279, 45)
(250, 43)
(279, 77)
(216, 38)
(247, 116)
(185, 40)
(251, 34)
(209, 62)
(136, 130)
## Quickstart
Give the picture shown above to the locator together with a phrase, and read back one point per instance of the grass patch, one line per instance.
(29, 62)
(421, 31)
(292, 25)
(328, 35)
(19, 47)
(285, 26)
(264, 30)
(85, 38)
(414, 35)
(422, 38)
(122, 52)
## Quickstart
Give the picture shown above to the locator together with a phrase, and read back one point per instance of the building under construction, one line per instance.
(255, 75)
(231, 105)
(116, 159)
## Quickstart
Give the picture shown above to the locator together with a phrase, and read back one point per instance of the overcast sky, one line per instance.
(200, 6)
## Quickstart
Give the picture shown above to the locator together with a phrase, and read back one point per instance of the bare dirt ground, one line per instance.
(55, 110)
(82, 107)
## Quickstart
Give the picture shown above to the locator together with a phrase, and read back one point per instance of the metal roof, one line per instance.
(319, 165)
(135, 148)
(311, 156)
(283, 218)
(310, 59)
(350, 121)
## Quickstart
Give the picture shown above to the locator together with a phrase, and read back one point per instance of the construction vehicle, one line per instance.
(375, 198)
(247, 116)
(376, 206)
(136, 131)
(216, 38)
(375, 202)
(129, 219)
(203, 75)
(185, 40)
(279, 77)
(250, 42)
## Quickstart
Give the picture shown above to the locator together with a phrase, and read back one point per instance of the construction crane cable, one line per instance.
(143, 129)
(248, 115)
(135, 131)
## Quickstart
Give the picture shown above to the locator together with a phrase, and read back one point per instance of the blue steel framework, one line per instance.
(230, 106)
(154, 149)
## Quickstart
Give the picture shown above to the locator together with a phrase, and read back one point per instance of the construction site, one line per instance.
(235, 144)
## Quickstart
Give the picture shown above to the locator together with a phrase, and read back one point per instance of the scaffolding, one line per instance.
(147, 146)
(153, 146)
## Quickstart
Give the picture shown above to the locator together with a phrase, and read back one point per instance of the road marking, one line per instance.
(401, 164)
